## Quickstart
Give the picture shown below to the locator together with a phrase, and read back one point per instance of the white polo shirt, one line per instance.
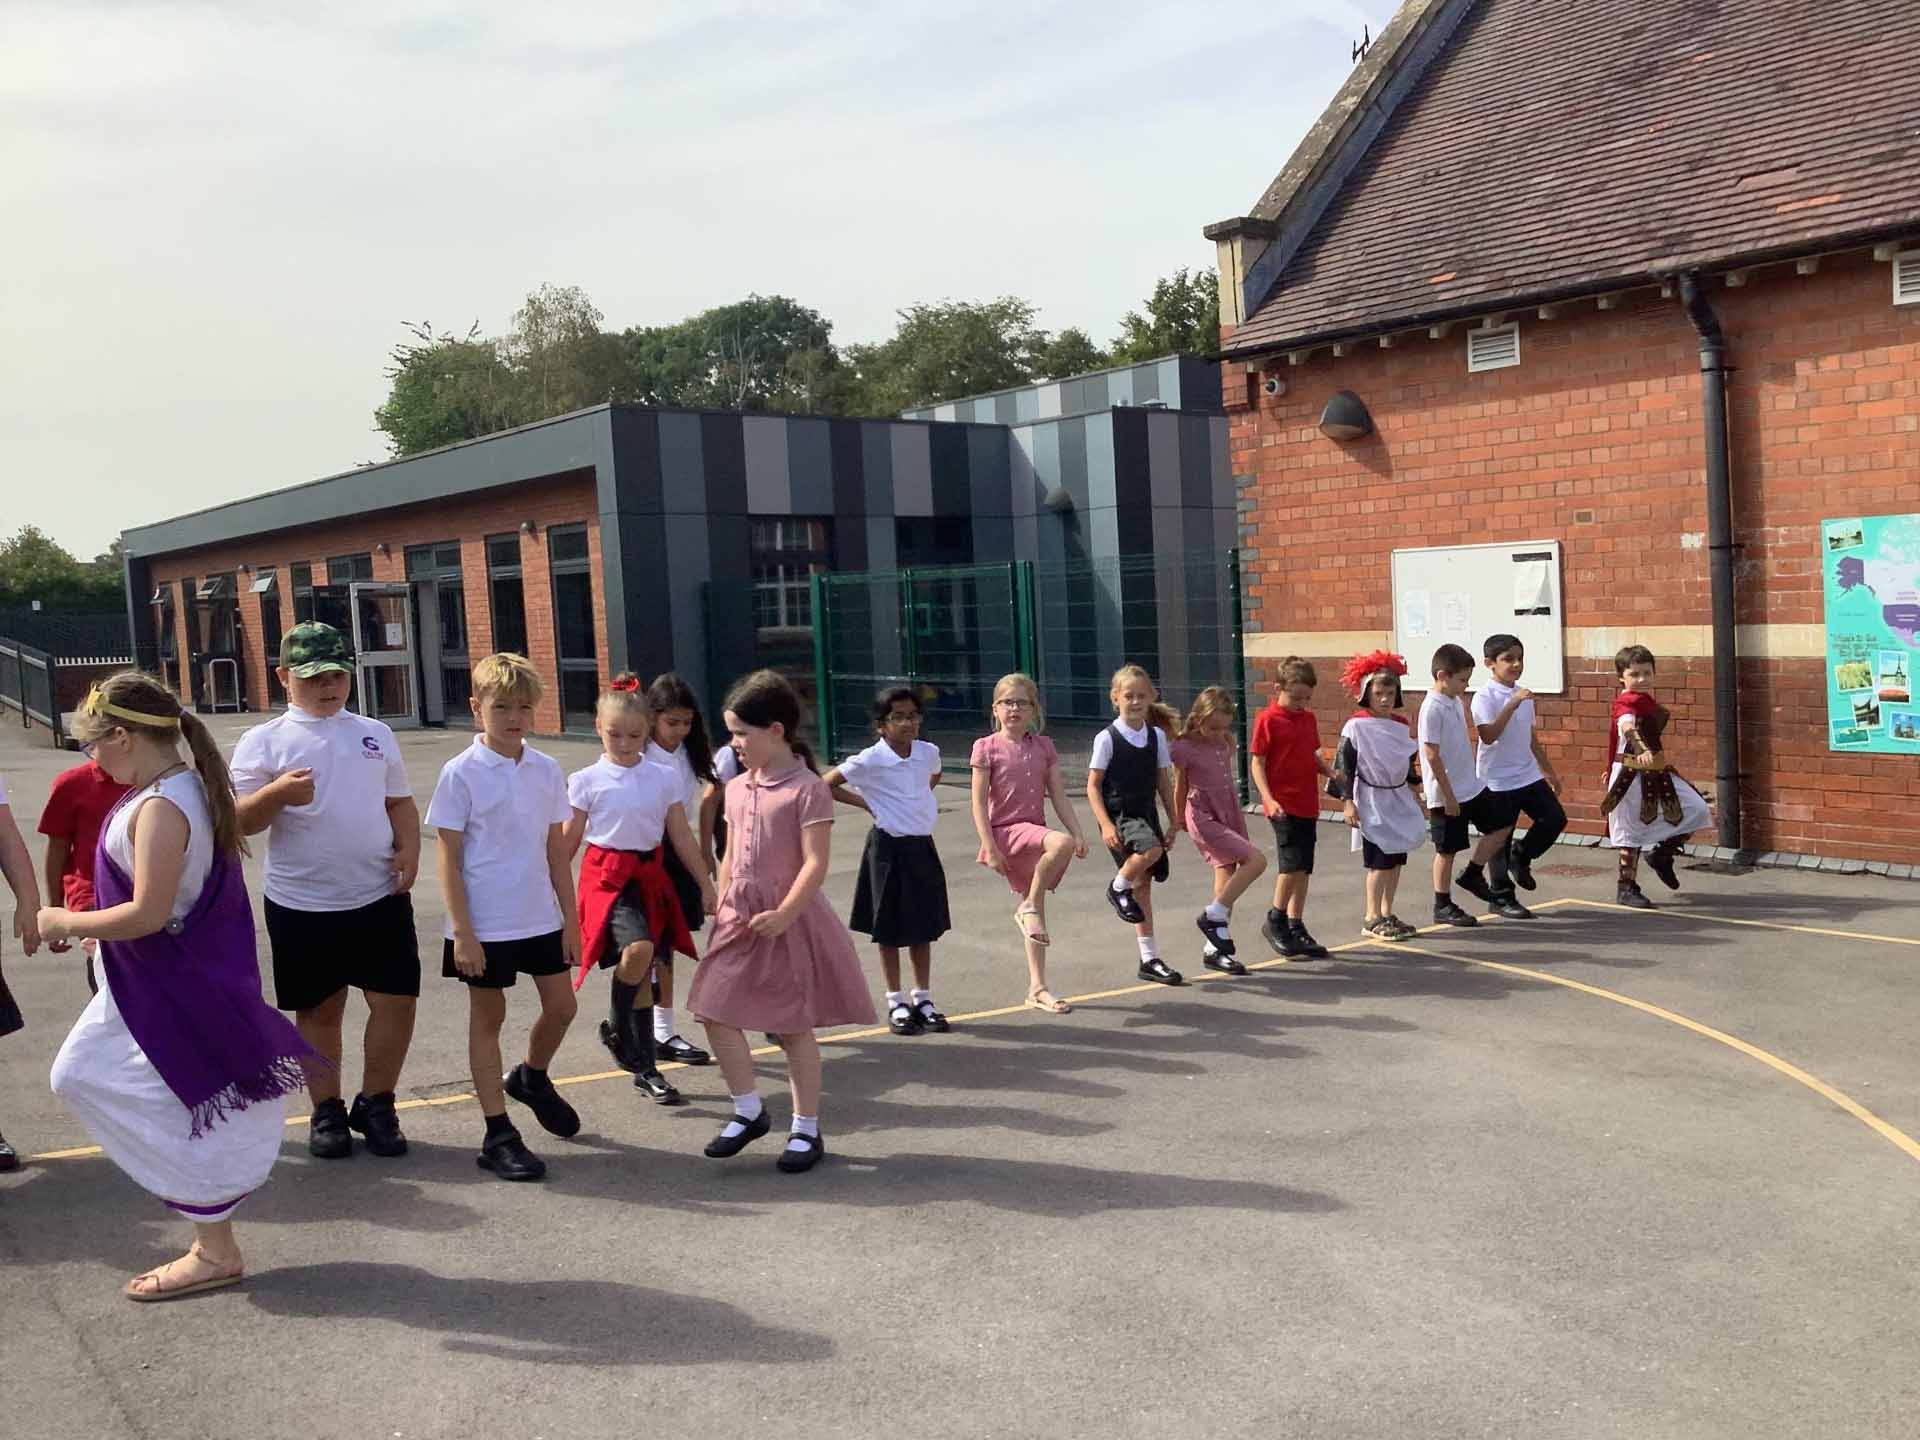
(1443, 725)
(337, 852)
(1507, 763)
(680, 767)
(1103, 744)
(626, 805)
(504, 809)
(897, 788)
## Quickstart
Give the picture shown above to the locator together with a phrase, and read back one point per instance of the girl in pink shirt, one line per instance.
(1016, 771)
(1206, 798)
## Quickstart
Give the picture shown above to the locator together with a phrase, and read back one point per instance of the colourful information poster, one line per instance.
(1871, 572)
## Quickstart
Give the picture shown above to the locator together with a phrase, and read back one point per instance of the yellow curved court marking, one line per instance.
(1733, 920)
(1853, 1107)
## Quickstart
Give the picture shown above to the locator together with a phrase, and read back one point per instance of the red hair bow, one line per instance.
(1362, 668)
(629, 684)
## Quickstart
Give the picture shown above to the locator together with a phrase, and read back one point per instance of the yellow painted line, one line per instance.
(1690, 914)
(1846, 1102)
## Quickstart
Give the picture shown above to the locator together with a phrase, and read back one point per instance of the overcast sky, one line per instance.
(219, 214)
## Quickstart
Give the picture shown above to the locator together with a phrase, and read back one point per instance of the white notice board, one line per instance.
(1464, 593)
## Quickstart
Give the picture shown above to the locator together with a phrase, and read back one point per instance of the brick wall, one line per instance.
(559, 500)
(1595, 440)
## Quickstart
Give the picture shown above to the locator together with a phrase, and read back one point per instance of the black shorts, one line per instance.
(1294, 837)
(536, 955)
(318, 953)
(1374, 858)
(626, 925)
(1141, 836)
(1449, 832)
(900, 898)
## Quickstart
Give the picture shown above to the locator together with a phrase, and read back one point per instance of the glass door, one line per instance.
(383, 645)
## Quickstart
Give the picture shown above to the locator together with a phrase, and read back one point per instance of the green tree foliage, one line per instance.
(444, 387)
(34, 566)
(1071, 352)
(1182, 316)
(943, 351)
(765, 352)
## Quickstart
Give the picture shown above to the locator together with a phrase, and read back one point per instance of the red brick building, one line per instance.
(1533, 238)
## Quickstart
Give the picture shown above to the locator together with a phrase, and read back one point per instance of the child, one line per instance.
(1016, 771)
(1205, 798)
(1128, 778)
(1455, 793)
(679, 742)
(77, 807)
(501, 812)
(726, 767)
(780, 961)
(18, 867)
(177, 1067)
(1516, 770)
(901, 896)
(1376, 768)
(343, 846)
(1647, 803)
(1287, 772)
(629, 915)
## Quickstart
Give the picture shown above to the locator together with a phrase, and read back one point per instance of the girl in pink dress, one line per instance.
(1016, 771)
(1204, 793)
(779, 960)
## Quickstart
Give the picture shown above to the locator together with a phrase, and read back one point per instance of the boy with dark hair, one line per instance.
(77, 807)
(1287, 771)
(1647, 804)
(1516, 770)
(1456, 795)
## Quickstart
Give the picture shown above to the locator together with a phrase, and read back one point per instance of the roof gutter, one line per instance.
(1720, 548)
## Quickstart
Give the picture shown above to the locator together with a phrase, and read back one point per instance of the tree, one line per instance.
(765, 352)
(443, 388)
(560, 353)
(944, 351)
(34, 566)
(1182, 317)
(1071, 352)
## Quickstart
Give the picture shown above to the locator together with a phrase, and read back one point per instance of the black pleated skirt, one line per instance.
(900, 898)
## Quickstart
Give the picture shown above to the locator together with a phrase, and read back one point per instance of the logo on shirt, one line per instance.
(370, 747)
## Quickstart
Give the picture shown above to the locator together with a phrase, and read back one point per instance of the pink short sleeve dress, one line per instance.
(1214, 818)
(805, 978)
(1017, 772)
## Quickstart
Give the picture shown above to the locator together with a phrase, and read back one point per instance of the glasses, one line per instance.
(1015, 704)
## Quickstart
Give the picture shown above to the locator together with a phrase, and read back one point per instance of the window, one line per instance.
(269, 593)
(216, 616)
(344, 569)
(301, 578)
(1493, 347)
(1906, 278)
(509, 601)
(574, 645)
(438, 565)
(787, 554)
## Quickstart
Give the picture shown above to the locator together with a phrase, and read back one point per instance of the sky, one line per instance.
(219, 215)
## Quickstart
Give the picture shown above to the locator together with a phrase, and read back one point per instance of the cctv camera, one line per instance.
(1274, 385)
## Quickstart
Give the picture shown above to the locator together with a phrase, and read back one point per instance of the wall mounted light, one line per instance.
(1059, 500)
(526, 527)
(1345, 418)
(384, 548)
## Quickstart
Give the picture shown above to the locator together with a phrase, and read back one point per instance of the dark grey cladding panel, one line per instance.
(553, 447)
(1196, 460)
(636, 459)
(723, 447)
(1199, 384)
(992, 540)
(989, 472)
(729, 552)
(1073, 461)
(1026, 537)
(1219, 441)
(882, 545)
(1005, 411)
(1163, 455)
(952, 485)
(876, 451)
(683, 475)
(810, 465)
(688, 547)
(1100, 484)
(849, 484)
(1132, 472)
(1146, 383)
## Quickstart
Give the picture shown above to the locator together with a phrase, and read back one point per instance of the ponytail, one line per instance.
(217, 781)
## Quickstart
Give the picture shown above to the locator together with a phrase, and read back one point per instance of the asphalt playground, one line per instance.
(1607, 1173)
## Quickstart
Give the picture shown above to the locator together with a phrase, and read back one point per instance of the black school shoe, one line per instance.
(1125, 906)
(507, 1156)
(1629, 895)
(1225, 964)
(327, 1135)
(9, 1157)
(902, 1020)
(1307, 946)
(1160, 972)
(1279, 934)
(373, 1116)
(653, 1085)
(1507, 907)
(798, 1162)
(721, 1147)
(1474, 882)
(555, 1115)
(931, 1019)
(1216, 933)
(620, 1044)
(1521, 869)
(1660, 861)
(1445, 912)
(674, 1048)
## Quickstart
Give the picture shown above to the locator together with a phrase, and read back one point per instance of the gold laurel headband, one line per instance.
(97, 704)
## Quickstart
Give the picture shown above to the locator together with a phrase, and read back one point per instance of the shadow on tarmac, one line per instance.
(542, 1322)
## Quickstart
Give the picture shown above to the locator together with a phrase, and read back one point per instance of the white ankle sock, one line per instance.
(662, 1023)
(1121, 884)
(896, 997)
(1148, 949)
(922, 997)
(805, 1127)
(745, 1107)
(1218, 912)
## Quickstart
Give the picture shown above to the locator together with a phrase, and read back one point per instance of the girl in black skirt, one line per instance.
(680, 743)
(901, 897)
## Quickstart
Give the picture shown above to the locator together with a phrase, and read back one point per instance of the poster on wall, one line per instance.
(1870, 567)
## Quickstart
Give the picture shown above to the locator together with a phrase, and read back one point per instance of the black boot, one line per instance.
(618, 1030)
(1660, 860)
(647, 1078)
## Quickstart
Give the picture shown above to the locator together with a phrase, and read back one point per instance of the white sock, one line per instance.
(1121, 885)
(1218, 913)
(922, 997)
(804, 1126)
(663, 1023)
(896, 997)
(1148, 950)
(745, 1107)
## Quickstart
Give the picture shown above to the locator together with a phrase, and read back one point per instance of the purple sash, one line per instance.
(191, 998)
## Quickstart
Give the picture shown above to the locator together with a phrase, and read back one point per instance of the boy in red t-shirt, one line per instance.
(77, 806)
(1287, 773)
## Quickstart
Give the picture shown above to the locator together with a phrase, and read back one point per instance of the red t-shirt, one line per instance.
(1288, 744)
(77, 807)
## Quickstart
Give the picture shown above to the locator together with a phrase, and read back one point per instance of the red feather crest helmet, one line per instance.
(1361, 670)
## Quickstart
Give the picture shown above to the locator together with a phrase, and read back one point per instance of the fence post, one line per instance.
(1237, 639)
(1026, 642)
(823, 665)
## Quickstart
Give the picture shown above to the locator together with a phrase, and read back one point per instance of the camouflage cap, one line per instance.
(311, 649)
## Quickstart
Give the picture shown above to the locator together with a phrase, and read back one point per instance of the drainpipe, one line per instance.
(1726, 674)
